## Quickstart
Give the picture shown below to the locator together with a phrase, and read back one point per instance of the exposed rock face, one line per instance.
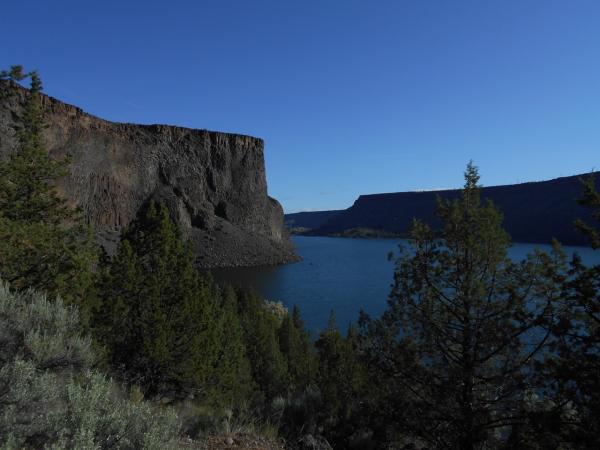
(213, 183)
(533, 212)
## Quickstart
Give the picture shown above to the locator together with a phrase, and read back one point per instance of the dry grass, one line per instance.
(234, 442)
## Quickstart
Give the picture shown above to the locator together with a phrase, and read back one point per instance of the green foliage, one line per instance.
(298, 414)
(341, 380)
(15, 73)
(49, 257)
(157, 313)
(463, 325)
(473, 351)
(571, 372)
(97, 416)
(590, 199)
(269, 368)
(172, 331)
(298, 408)
(578, 356)
(297, 349)
(45, 244)
(27, 192)
(232, 377)
(49, 398)
(201, 422)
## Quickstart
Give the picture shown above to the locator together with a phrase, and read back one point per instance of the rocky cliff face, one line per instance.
(533, 212)
(213, 183)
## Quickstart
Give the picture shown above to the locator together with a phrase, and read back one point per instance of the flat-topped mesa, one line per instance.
(533, 212)
(213, 183)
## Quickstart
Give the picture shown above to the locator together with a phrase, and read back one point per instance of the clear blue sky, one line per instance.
(350, 96)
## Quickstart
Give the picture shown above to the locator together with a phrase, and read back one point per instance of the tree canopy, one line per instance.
(156, 314)
(46, 244)
(463, 326)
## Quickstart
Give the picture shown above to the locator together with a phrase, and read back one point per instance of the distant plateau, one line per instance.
(535, 212)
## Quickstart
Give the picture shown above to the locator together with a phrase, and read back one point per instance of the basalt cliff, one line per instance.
(533, 212)
(213, 183)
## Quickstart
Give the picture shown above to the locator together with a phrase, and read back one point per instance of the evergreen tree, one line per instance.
(572, 370)
(591, 199)
(341, 380)
(577, 359)
(45, 243)
(332, 370)
(269, 368)
(14, 74)
(307, 348)
(157, 313)
(232, 377)
(295, 345)
(463, 326)
(27, 190)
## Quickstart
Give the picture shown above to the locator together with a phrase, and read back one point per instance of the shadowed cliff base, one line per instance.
(534, 212)
(213, 183)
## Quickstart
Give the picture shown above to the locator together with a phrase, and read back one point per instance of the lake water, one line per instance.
(344, 275)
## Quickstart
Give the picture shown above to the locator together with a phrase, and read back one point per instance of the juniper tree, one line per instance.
(341, 381)
(269, 368)
(232, 383)
(28, 193)
(157, 313)
(572, 370)
(463, 326)
(296, 346)
(331, 351)
(306, 345)
(591, 199)
(14, 74)
(45, 242)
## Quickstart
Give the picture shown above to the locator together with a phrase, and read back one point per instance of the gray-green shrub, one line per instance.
(49, 395)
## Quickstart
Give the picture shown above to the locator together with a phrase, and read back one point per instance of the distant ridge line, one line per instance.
(534, 211)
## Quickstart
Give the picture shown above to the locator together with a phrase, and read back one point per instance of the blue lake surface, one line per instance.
(344, 275)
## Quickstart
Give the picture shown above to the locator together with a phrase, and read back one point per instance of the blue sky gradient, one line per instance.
(351, 97)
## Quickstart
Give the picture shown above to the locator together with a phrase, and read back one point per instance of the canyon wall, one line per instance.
(533, 212)
(213, 183)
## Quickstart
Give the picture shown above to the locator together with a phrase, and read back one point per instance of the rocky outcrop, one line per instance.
(533, 212)
(213, 183)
